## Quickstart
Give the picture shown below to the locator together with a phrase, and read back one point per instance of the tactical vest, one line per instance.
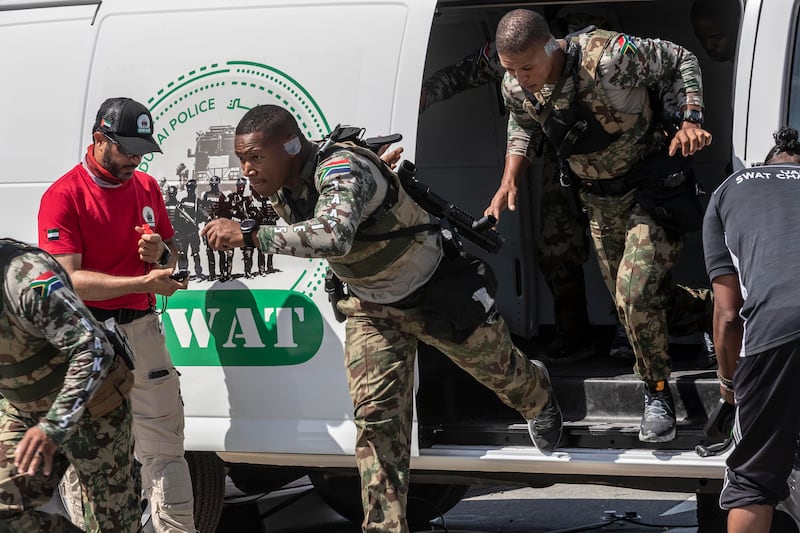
(369, 253)
(614, 142)
(36, 361)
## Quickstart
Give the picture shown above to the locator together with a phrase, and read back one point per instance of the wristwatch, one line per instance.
(165, 257)
(695, 116)
(249, 228)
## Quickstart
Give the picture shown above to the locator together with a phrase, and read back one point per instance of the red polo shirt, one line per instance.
(78, 216)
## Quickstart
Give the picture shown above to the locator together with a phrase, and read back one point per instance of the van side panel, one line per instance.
(46, 55)
(261, 358)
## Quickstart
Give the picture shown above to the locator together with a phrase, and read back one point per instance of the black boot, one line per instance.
(621, 346)
(569, 348)
(658, 420)
(545, 429)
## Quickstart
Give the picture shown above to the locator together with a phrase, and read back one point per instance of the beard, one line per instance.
(119, 171)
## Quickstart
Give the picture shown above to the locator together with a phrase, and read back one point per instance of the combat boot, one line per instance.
(707, 357)
(658, 420)
(620, 346)
(545, 430)
(569, 348)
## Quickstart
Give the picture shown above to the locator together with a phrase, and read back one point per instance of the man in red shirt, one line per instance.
(106, 223)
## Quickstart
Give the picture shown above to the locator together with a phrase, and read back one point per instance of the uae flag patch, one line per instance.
(46, 284)
(53, 234)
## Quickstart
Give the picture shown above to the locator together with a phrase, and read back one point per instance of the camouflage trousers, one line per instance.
(158, 424)
(562, 247)
(636, 257)
(101, 451)
(380, 349)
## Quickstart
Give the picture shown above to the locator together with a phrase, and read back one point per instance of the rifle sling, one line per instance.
(403, 232)
(38, 390)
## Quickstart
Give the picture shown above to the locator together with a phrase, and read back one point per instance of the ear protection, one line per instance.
(292, 146)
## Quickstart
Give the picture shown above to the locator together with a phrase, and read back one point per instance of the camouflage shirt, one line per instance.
(324, 213)
(42, 315)
(627, 68)
(478, 68)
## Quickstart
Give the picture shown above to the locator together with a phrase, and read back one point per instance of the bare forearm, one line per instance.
(99, 286)
(727, 341)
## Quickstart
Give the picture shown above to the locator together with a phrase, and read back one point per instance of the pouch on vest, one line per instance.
(113, 391)
(459, 298)
(669, 193)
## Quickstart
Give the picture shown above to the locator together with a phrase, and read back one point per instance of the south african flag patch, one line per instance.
(46, 284)
(331, 168)
(626, 45)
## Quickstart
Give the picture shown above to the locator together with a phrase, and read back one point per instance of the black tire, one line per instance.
(257, 479)
(426, 501)
(208, 484)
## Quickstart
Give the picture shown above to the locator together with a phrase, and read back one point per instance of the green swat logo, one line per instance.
(264, 320)
(242, 328)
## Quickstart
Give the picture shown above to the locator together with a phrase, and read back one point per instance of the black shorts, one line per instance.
(766, 427)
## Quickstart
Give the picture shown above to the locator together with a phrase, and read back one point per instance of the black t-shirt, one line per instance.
(752, 228)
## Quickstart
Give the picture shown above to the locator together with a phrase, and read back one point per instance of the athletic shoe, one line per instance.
(658, 420)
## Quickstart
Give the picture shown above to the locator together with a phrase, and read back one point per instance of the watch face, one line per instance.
(248, 225)
(693, 115)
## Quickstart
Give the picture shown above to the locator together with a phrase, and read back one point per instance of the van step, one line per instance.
(600, 398)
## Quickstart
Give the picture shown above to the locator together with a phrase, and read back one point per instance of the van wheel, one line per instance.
(426, 501)
(258, 479)
(208, 483)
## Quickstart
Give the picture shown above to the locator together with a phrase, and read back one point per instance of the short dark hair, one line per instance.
(519, 29)
(785, 143)
(270, 120)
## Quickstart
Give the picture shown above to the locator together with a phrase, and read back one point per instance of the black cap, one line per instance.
(128, 123)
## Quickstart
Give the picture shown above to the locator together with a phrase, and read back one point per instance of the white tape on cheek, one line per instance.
(551, 46)
(292, 146)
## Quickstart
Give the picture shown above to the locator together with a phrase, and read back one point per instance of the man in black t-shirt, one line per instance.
(752, 246)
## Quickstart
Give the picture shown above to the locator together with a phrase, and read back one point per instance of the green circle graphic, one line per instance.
(217, 95)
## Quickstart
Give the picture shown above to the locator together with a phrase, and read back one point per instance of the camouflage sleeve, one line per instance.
(346, 184)
(48, 308)
(478, 68)
(633, 62)
(523, 134)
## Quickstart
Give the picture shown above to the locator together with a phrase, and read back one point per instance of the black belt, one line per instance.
(612, 187)
(121, 316)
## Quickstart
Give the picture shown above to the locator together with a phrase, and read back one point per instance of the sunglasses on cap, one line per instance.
(119, 146)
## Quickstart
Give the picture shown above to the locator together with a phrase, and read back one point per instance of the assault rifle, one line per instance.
(478, 231)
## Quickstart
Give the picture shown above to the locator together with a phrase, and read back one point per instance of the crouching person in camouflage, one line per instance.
(344, 204)
(64, 401)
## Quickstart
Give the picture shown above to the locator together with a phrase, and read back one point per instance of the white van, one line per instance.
(261, 356)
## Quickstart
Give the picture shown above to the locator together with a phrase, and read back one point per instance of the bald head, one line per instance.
(519, 29)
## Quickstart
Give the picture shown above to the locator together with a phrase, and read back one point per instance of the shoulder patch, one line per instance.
(334, 166)
(53, 234)
(626, 45)
(46, 283)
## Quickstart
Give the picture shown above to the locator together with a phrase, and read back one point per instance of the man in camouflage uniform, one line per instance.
(622, 155)
(75, 411)
(344, 204)
(562, 244)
